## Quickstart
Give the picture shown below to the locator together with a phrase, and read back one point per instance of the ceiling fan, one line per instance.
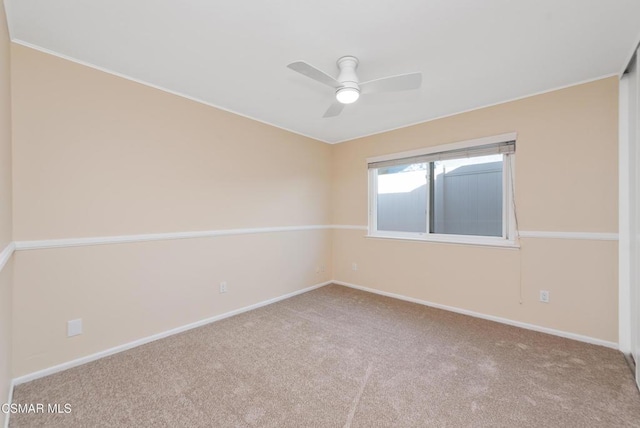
(347, 86)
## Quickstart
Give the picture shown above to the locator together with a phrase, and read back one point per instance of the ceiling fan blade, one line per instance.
(401, 82)
(334, 110)
(312, 72)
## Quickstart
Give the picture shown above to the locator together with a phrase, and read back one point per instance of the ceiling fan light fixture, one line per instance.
(347, 86)
(347, 95)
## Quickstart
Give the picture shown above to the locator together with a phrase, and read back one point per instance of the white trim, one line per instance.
(482, 241)
(372, 198)
(120, 348)
(117, 349)
(429, 198)
(5, 255)
(527, 326)
(348, 227)
(122, 239)
(481, 107)
(625, 196)
(160, 88)
(493, 139)
(101, 240)
(9, 400)
(629, 57)
(594, 236)
(508, 207)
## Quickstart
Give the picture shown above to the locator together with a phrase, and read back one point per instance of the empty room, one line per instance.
(319, 214)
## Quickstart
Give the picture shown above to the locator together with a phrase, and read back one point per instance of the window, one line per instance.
(460, 192)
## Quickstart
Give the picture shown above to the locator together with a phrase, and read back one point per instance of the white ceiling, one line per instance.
(233, 54)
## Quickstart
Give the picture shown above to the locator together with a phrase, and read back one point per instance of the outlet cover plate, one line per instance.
(544, 296)
(74, 327)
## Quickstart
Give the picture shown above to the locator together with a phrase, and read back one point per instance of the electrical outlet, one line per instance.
(544, 296)
(354, 266)
(74, 327)
(223, 287)
(322, 268)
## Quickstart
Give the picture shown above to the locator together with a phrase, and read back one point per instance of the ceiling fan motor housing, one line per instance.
(348, 77)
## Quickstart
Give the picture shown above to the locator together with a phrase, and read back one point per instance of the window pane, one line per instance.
(467, 196)
(402, 198)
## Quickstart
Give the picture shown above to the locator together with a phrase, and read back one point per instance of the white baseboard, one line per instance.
(565, 334)
(83, 360)
(120, 348)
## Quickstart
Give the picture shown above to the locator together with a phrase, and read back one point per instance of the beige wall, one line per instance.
(5, 133)
(130, 291)
(97, 155)
(6, 275)
(566, 180)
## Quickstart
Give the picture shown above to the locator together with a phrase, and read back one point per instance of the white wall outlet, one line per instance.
(318, 269)
(544, 296)
(322, 268)
(354, 266)
(223, 287)
(74, 327)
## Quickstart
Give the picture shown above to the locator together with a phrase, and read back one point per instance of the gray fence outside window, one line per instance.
(467, 201)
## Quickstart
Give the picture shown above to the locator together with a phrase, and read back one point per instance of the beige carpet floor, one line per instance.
(337, 357)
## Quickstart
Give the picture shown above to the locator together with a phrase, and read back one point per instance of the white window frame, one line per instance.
(508, 238)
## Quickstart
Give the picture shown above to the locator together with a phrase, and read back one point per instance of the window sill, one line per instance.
(452, 239)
